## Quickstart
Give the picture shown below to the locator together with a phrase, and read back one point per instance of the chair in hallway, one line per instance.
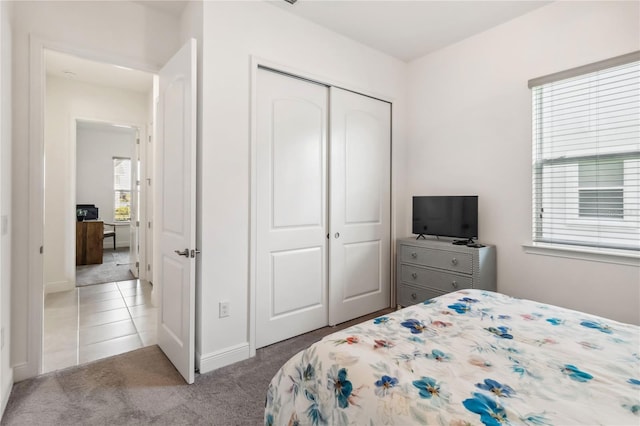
(108, 233)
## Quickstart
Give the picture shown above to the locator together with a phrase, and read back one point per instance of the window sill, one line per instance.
(606, 256)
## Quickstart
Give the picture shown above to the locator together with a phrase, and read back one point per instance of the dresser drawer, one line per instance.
(452, 261)
(438, 280)
(409, 295)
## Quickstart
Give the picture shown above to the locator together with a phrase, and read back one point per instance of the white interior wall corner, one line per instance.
(470, 133)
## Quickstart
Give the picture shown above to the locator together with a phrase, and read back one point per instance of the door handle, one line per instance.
(184, 252)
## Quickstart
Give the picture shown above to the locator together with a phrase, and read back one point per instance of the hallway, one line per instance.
(97, 321)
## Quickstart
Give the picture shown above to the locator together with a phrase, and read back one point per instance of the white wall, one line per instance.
(66, 101)
(95, 148)
(470, 133)
(233, 31)
(131, 34)
(6, 373)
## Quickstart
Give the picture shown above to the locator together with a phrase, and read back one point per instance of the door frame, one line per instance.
(35, 285)
(140, 130)
(257, 62)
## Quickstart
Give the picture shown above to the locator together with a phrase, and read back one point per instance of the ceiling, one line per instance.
(403, 29)
(75, 68)
(408, 29)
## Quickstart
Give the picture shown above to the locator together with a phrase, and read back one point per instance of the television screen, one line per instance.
(446, 216)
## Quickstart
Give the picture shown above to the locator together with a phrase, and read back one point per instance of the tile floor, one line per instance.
(97, 321)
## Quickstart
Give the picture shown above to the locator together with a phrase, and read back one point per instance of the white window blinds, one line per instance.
(122, 189)
(121, 174)
(586, 156)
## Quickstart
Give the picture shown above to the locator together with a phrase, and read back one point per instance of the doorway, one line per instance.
(95, 116)
(107, 196)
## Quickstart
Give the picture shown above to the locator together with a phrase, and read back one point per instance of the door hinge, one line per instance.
(137, 141)
(137, 223)
(149, 181)
(41, 249)
(149, 224)
(148, 267)
(194, 252)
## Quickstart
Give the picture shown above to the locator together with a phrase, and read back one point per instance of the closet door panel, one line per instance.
(362, 267)
(360, 206)
(296, 155)
(291, 221)
(287, 268)
(364, 144)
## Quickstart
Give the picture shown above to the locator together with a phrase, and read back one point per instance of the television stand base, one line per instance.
(421, 235)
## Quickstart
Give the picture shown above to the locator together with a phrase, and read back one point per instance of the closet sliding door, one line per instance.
(323, 206)
(360, 205)
(291, 234)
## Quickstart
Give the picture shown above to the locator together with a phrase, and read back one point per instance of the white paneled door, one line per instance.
(360, 206)
(175, 213)
(291, 222)
(322, 206)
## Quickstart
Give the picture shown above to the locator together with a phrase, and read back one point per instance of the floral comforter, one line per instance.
(468, 357)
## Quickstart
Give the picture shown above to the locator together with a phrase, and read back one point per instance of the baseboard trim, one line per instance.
(6, 392)
(57, 286)
(227, 356)
(22, 372)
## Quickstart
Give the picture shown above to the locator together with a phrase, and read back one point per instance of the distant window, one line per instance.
(586, 156)
(122, 189)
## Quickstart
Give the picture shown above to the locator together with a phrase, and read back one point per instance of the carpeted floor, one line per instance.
(114, 268)
(142, 387)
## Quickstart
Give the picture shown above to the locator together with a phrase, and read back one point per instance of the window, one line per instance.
(122, 189)
(586, 155)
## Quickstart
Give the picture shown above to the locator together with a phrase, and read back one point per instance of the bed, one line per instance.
(468, 357)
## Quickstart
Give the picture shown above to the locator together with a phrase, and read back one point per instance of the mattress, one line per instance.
(468, 357)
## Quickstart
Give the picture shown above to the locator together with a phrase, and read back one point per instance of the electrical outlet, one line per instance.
(224, 309)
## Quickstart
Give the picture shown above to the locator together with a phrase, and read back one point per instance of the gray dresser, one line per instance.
(430, 268)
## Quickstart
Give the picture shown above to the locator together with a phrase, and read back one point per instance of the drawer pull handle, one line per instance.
(414, 275)
(414, 296)
(454, 284)
(454, 261)
(414, 255)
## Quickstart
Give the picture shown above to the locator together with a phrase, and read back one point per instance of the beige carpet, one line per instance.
(142, 387)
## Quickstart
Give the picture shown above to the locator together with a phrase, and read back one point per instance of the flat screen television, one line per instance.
(446, 216)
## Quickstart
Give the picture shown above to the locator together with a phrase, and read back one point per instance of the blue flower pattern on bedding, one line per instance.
(491, 412)
(469, 357)
(496, 388)
(385, 384)
(428, 388)
(415, 326)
